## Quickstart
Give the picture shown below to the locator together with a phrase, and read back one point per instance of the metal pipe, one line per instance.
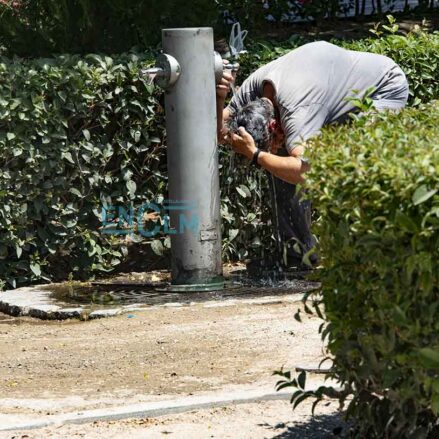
(190, 106)
(233, 67)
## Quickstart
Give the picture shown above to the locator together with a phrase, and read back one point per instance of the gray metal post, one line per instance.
(193, 160)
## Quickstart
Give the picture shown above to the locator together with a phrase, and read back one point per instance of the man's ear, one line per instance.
(272, 125)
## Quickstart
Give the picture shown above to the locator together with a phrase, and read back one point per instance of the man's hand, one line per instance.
(289, 169)
(242, 143)
(223, 88)
(223, 114)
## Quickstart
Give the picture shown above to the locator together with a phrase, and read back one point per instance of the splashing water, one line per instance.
(231, 167)
(233, 88)
(277, 237)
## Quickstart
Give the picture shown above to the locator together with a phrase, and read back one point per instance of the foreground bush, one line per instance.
(376, 188)
(77, 133)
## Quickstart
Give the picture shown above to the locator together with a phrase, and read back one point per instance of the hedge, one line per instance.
(376, 188)
(79, 132)
(75, 133)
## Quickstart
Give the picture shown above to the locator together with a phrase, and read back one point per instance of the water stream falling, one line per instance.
(233, 88)
(279, 247)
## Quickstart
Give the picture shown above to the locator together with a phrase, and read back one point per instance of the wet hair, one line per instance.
(255, 118)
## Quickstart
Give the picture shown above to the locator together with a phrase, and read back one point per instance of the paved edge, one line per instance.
(149, 410)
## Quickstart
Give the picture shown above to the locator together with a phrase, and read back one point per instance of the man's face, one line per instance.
(278, 140)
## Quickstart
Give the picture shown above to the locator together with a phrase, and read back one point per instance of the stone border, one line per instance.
(37, 302)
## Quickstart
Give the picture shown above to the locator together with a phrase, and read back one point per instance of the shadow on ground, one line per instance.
(322, 426)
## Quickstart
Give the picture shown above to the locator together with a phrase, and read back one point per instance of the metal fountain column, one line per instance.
(188, 71)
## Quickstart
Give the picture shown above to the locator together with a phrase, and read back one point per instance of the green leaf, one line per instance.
(435, 403)
(157, 247)
(251, 217)
(75, 191)
(243, 190)
(233, 233)
(405, 222)
(398, 315)
(10, 136)
(301, 379)
(300, 399)
(68, 156)
(86, 134)
(36, 269)
(131, 186)
(256, 242)
(422, 194)
(429, 358)
(18, 250)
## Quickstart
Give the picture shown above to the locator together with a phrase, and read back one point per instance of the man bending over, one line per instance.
(289, 100)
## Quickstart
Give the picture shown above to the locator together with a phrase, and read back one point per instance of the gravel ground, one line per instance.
(50, 368)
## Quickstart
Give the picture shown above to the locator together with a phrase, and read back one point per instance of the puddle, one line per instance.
(109, 295)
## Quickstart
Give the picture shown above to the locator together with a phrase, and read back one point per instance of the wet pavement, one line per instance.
(110, 297)
(113, 294)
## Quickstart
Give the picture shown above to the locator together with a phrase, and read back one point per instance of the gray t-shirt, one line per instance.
(311, 85)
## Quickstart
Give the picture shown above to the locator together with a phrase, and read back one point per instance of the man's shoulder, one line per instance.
(317, 46)
(320, 43)
(310, 54)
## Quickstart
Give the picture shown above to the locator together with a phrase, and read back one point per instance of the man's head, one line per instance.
(258, 117)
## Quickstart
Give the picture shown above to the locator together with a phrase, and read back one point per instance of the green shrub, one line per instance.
(74, 134)
(376, 187)
(77, 134)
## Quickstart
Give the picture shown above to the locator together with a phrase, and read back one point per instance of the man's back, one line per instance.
(312, 83)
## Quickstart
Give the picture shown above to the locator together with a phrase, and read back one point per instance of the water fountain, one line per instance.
(187, 70)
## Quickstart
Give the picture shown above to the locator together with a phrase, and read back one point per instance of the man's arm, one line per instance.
(222, 114)
(289, 169)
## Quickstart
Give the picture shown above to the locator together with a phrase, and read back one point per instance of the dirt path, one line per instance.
(48, 368)
(159, 351)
